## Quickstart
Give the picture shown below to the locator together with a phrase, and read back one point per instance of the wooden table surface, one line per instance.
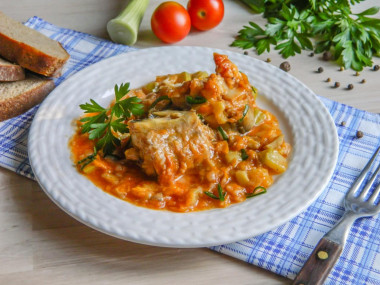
(40, 244)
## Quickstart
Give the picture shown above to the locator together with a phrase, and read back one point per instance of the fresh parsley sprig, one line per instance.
(125, 108)
(99, 117)
(289, 32)
(292, 25)
(353, 41)
(102, 123)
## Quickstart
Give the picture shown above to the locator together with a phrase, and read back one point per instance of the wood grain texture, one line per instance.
(40, 244)
(318, 266)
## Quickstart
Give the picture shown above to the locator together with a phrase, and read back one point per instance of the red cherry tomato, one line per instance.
(170, 22)
(205, 14)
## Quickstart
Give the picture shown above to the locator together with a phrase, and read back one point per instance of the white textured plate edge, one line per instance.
(203, 228)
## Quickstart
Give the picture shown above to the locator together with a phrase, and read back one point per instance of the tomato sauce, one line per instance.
(192, 165)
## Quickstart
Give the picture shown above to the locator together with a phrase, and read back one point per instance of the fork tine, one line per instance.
(376, 191)
(369, 184)
(374, 195)
(362, 175)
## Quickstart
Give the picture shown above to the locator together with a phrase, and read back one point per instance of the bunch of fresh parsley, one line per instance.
(319, 25)
(104, 122)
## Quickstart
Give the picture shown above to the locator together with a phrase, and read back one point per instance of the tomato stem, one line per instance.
(202, 14)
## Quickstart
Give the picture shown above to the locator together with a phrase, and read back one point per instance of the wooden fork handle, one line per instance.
(319, 264)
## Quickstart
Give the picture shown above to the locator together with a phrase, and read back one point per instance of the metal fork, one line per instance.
(329, 248)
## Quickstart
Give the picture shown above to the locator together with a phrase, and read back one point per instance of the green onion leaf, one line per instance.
(195, 100)
(211, 195)
(223, 133)
(159, 99)
(221, 194)
(87, 160)
(246, 108)
(257, 191)
(244, 155)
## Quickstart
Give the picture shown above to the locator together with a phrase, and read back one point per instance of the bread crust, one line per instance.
(31, 58)
(11, 72)
(18, 105)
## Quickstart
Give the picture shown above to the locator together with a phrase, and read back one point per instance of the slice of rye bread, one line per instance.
(30, 49)
(10, 71)
(19, 96)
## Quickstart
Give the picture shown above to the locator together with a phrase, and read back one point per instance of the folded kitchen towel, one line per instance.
(283, 250)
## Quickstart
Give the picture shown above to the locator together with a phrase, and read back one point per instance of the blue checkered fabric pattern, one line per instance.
(283, 250)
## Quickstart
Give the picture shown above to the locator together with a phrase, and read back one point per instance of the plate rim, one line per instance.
(77, 75)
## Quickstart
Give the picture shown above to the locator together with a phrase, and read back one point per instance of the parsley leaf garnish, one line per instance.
(92, 107)
(101, 123)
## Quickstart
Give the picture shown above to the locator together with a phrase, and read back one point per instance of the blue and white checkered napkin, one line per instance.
(285, 249)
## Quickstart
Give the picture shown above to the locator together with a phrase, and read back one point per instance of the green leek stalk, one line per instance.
(124, 28)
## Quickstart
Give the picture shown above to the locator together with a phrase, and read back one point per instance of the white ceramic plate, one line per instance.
(303, 118)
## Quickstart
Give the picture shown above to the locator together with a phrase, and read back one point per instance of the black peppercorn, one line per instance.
(350, 86)
(363, 81)
(359, 134)
(245, 53)
(327, 56)
(320, 69)
(376, 67)
(337, 84)
(285, 66)
(311, 54)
